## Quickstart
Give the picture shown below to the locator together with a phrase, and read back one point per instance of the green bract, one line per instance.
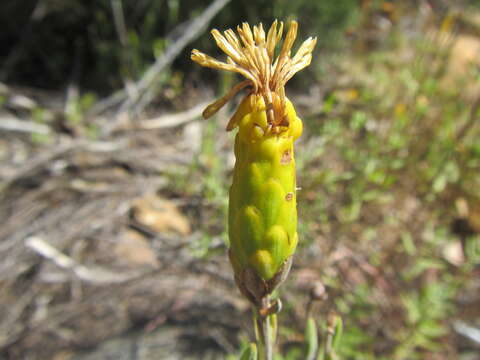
(262, 208)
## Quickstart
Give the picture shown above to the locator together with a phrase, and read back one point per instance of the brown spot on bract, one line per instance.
(286, 157)
(289, 196)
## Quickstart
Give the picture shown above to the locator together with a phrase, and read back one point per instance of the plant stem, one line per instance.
(268, 339)
(264, 324)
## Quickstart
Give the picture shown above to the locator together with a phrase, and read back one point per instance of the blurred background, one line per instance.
(113, 190)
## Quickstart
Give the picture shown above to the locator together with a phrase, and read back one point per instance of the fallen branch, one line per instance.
(10, 123)
(61, 150)
(470, 332)
(95, 275)
(39, 161)
(191, 33)
(193, 30)
(172, 120)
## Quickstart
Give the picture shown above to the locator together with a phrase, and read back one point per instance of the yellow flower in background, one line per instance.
(262, 204)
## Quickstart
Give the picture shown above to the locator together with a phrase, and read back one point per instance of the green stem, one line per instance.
(268, 338)
(265, 337)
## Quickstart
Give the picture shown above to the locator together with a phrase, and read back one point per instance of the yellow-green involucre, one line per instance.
(262, 216)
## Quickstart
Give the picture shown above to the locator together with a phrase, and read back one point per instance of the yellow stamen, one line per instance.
(252, 54)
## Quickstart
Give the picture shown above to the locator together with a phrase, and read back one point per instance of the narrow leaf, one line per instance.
(311, 338)
(250, 353)
(337, 337)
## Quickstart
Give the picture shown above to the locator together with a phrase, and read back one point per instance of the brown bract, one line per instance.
(252, 54)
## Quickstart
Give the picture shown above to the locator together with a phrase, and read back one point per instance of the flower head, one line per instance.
(252, 54)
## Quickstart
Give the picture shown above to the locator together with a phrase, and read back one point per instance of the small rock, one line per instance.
(453, 253)
(464, 54)
(134, 250)
(160, 215)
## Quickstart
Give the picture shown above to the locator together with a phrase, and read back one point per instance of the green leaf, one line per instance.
(250, 353)
(439, 183)
(337, 337)
(408, 243)
(311, 338)
(358, 121)
(432, 329)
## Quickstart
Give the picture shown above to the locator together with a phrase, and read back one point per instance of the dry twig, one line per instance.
(91, 275)
(11, 123)
(193, 30)
(172, 120)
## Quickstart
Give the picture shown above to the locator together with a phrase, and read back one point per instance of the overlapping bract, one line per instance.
(262, 200)
(262, 207)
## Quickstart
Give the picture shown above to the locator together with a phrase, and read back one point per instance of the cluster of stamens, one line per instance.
(253, 56)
